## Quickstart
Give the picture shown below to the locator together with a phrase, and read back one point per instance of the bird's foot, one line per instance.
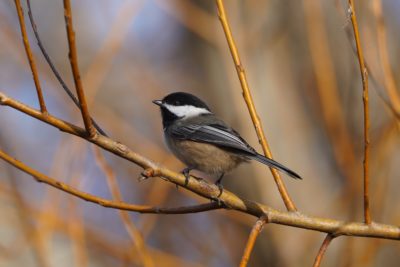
(186, 173)
(218, 183)
(220, 187)
(217, 199)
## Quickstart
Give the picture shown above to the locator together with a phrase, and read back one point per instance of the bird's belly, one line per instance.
(205, 157)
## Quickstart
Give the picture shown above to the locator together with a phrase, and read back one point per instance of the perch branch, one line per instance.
(200, 187)
(250, 104)
(73, 58)
(31, 60)
(364, 78)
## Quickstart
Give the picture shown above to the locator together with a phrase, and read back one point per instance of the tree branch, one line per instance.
(364, 78)
(250, 104)
(73, 58)
(200, 187)
(255, 231)
(31, 60)
(42, 178)
(322, 249)
(53, 68)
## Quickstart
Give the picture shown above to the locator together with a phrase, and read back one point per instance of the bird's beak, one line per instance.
(157, 102)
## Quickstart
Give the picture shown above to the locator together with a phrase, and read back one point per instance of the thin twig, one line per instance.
(130, 226)
(54, 69)
(31, 60)
(255, 231)
(199, 187)
(101, 201)
(322, 249)
(364, 77)
(250, 104)
(73, 58)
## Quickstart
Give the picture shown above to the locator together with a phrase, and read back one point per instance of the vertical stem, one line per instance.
(53, 68)
(255, 231)
(31, 60)
(322, 250)
(250, 104)
(364, 77)
(73, 58)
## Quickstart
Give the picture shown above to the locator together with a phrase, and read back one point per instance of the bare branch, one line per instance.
(322, 250)
(73, 58)
(250, 104)
(101, 201)
(255, 231)
(200, 187)
(53, 68)
(364, 77)
(31, 60)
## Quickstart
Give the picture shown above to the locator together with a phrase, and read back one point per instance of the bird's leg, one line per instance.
(186, 173)
(219, 184)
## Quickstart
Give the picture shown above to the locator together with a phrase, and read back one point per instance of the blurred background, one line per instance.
(305, 81)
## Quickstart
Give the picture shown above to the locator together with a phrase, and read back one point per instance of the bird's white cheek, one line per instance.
(186, 111)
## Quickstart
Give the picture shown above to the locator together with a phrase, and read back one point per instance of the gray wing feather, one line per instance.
(216, 134)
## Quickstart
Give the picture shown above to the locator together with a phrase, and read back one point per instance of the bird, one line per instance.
(204, 142)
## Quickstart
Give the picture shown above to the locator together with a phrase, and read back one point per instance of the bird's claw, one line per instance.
(186, 173)
(221, 189)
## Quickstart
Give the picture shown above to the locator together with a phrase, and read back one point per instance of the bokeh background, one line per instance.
(304, 77)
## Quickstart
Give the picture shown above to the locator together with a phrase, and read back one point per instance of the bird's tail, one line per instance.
(272, 163)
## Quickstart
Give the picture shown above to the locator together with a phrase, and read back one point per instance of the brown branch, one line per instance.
(73, 58)
(53, 68)
(322, 249)
(364, 77)
(255, 231)
(250, 104)
(200, 187)
(101, 201)
(130, 227)
(31, 60)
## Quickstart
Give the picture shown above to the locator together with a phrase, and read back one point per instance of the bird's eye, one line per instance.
(177, 103)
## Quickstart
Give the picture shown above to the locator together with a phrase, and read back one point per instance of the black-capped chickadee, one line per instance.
(204, 142)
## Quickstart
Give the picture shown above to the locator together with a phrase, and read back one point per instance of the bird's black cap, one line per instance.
(182, 99)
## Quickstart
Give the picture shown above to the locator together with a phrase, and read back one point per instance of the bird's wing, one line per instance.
(227, 138)
(216, 134)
